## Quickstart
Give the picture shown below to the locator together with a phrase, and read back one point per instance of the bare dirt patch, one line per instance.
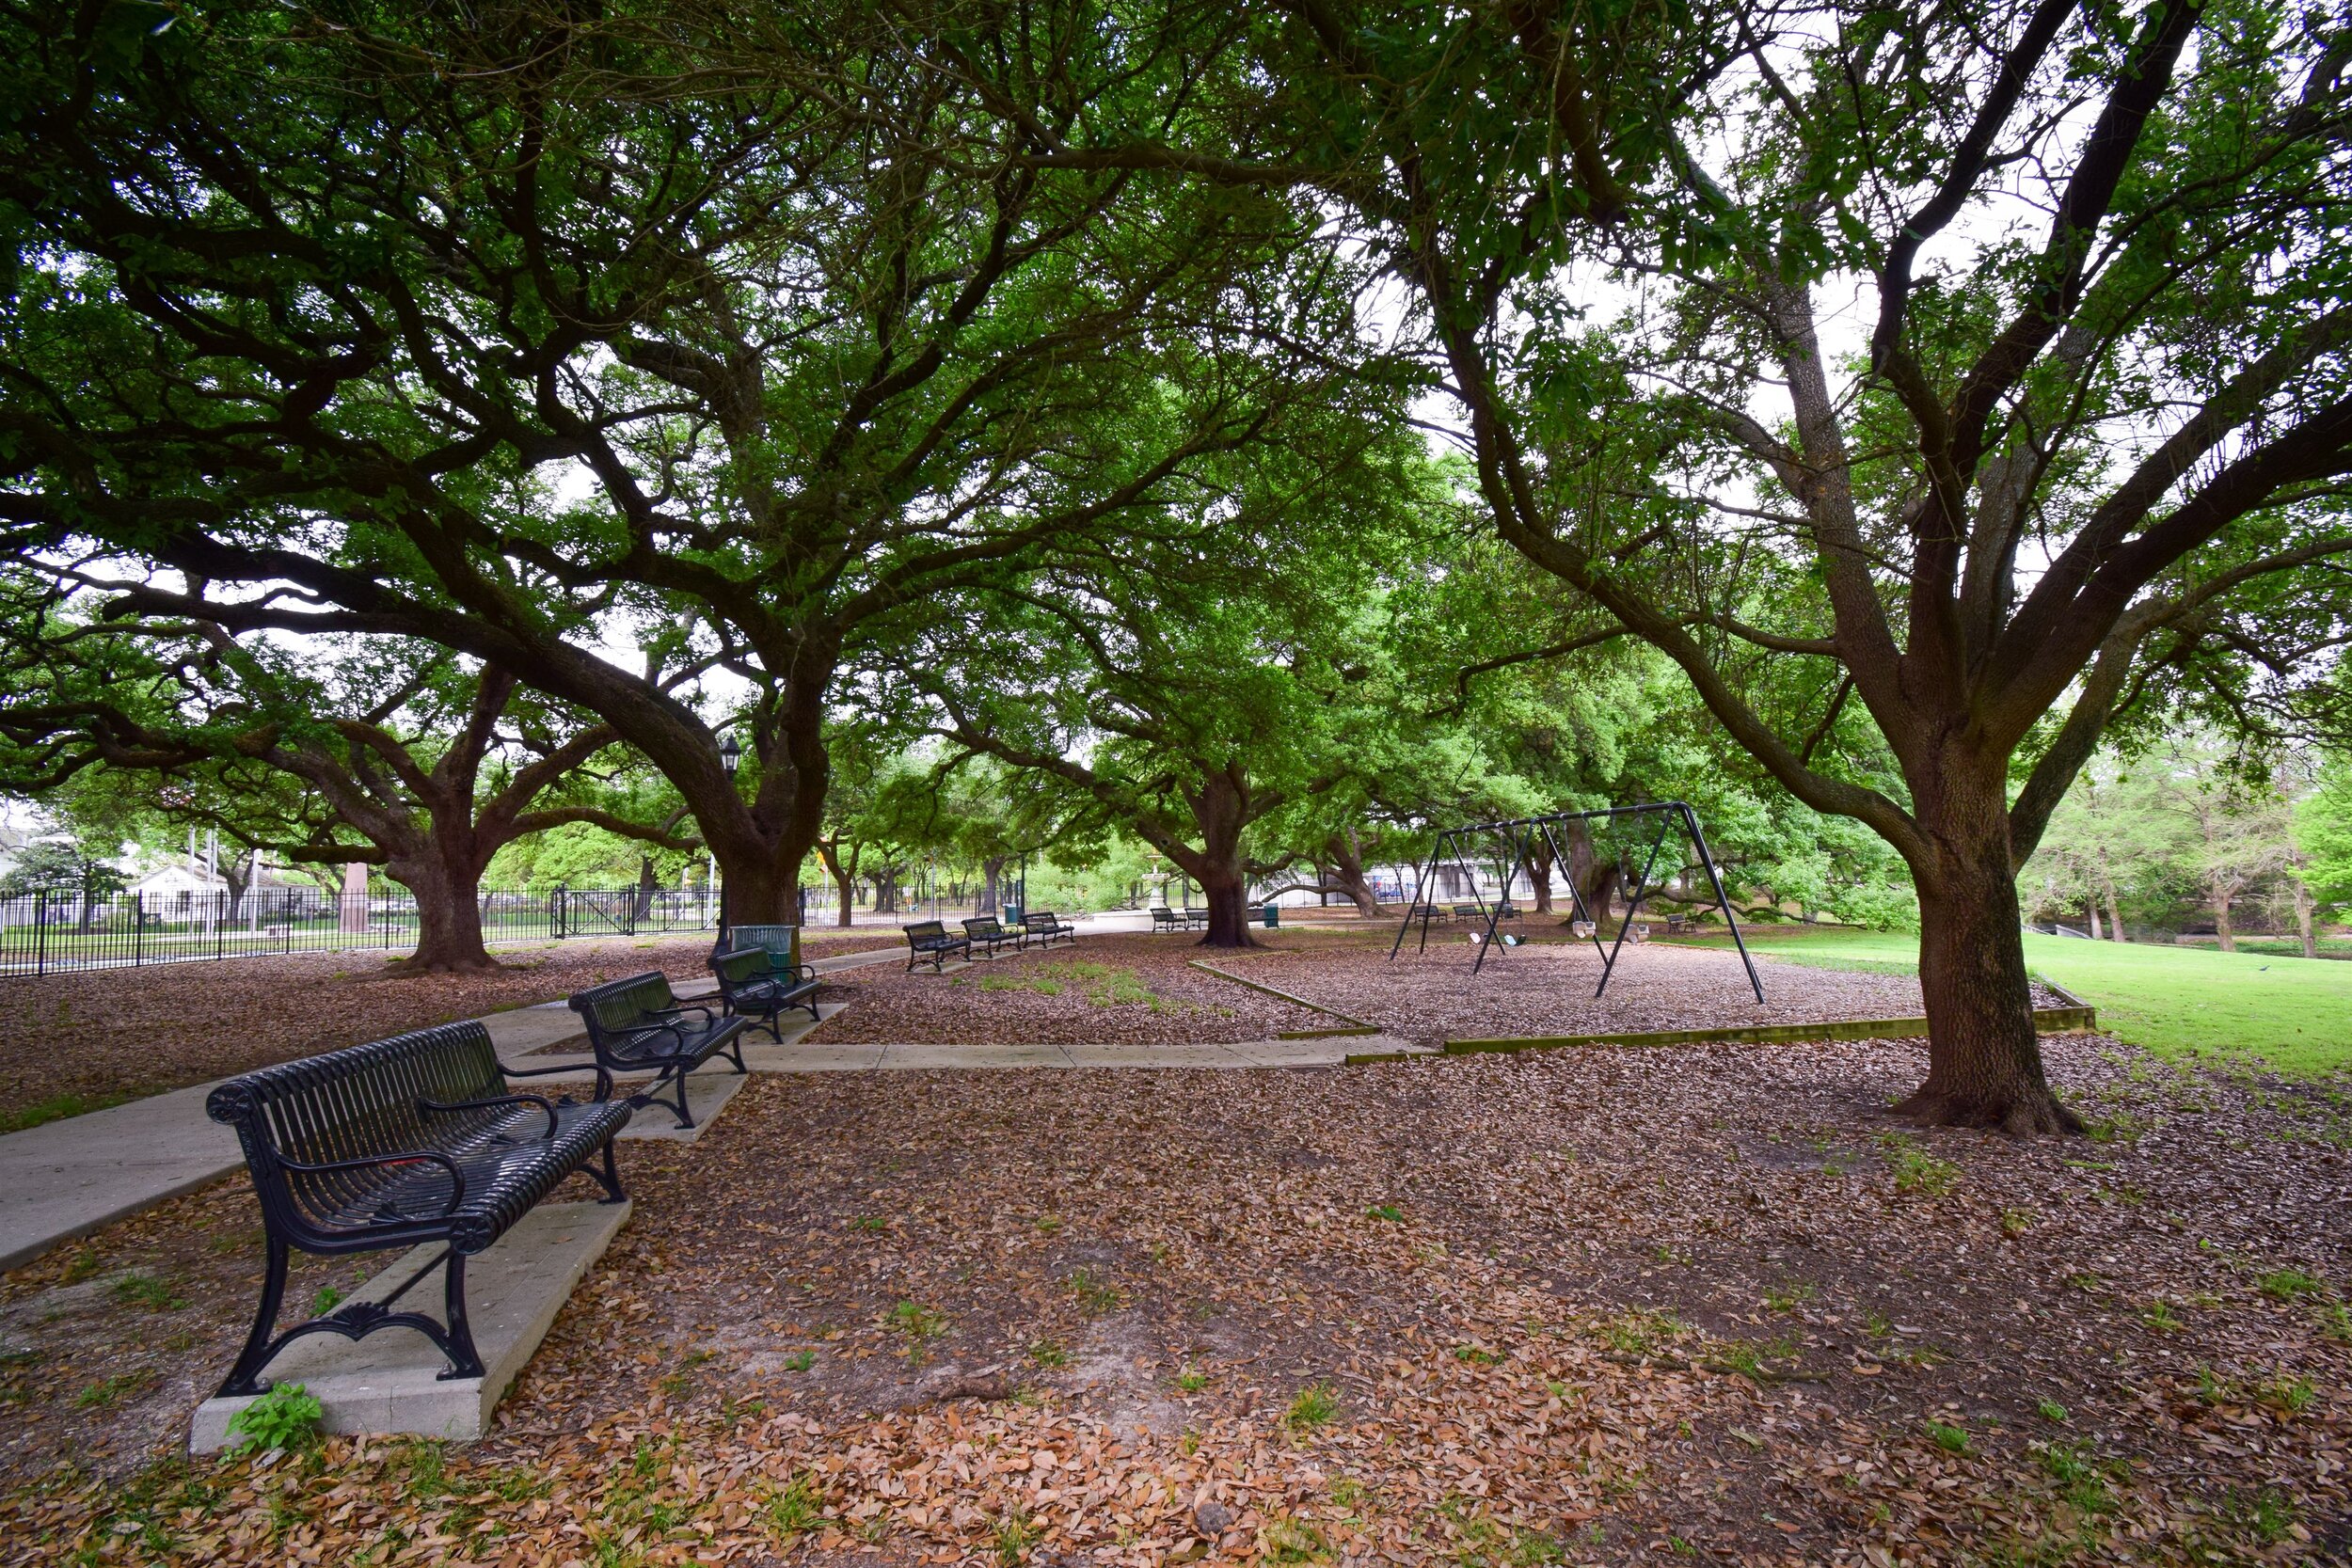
(1593, 1305)
(1112, 989)
(120, 1033)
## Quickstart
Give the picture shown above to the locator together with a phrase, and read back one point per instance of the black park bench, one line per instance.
(1164, 919)
(637, 1026)
(987, 930)
(1046, 925)
(404, 1142)
(755, 989)
(929, 938)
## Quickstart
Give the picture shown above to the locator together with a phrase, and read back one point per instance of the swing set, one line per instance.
(1519, 835)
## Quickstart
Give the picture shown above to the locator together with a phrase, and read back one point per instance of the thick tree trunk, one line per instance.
(448, 915)
(1984, 1057)
(2115, 909)
(1539, 872)
(2224, 930)
(2092, 906)
(1228, 903)
(1347, 869)
(991, 874)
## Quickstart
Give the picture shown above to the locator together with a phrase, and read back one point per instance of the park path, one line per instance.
(68, 1178)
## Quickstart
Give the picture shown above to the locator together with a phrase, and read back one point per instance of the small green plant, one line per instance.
(109, 1391)
(1048, 1225)
(150, 1290)
(920, 1324)
(2120, 1127)
(325, 1300)
(1294, 1541)
(2288, 1284)
(2267, 1513)
(1639, 1333)
(287, 1415)
(1534, 1549)
(1388, 1211)
(871, 1223)
(83, 1263)
(1093, 1292)
(795, 1509)
(1951, 1439)
(2050, 1410)
(2159, 1318)
(1192, 1379)
(799, 1361)
(2082, 1478)
(2287, 1395)
(1916, 1170)
(1015, 1535)
(520, 1485)
(1475, 1356)
(1314, 1405)
(428, 1469)
(1047, 1353)
(2336, 1323)
(1787, 1298)
(2016, 1222)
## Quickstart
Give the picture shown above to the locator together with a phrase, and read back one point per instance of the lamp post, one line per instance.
(730, 758)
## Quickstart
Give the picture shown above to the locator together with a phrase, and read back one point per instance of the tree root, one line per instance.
(2029, 1115)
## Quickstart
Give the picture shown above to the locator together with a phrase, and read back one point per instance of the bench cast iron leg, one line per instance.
(609, 1178)
(242, 1377)
(685, 1116)
(463, 1359)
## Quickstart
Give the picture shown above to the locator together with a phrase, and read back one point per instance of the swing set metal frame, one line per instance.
(1519, 833)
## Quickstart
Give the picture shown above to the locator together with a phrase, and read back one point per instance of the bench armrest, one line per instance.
(539, 1072)
(456, 1177)
(541, 1101)
(680, 1011)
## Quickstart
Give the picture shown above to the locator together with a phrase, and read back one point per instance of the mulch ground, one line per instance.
(1109, 988)
(120, 1033)
(1547, 987)
(1592, 1306)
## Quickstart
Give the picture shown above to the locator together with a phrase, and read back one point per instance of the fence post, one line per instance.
(41, 932)
(139, 930)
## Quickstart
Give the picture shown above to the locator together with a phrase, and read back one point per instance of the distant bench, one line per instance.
(412, 1140)
(1048, 927)
(929, 938)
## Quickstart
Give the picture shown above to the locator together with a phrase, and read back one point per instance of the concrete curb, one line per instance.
(2047, 1021)
(1353, 1025)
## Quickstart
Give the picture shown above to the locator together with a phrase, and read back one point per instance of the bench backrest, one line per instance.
(925, 930)
(1035, 918)
(740, 968)
(783, 942)
(619, 1006)
(351, 1104)
(983, 926)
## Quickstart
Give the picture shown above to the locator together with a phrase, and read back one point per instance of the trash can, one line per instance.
(1273, 914)
(1012, 914)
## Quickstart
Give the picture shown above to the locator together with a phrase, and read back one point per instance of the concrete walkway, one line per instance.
(67, 1179)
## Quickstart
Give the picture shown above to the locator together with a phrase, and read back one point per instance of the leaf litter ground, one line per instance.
(1599, 1306)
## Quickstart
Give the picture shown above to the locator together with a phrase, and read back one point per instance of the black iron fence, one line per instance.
(54, 933)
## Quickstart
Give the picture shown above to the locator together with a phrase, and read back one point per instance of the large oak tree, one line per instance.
(2077, 444)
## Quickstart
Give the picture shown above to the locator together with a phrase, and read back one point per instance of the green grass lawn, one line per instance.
(2293, 1013)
